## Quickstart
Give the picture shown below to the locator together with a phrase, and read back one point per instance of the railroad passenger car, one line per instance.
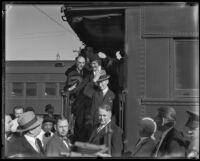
(34, 84)
(159, 43)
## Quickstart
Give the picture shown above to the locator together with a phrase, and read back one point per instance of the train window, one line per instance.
(31, 89)
(186, 66)
(61, 84)
(50, 89)
(17, 89)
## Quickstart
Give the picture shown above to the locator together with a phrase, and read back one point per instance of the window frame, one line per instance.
(35, 89)
(47, 96)
(23, 90)
(180, 93)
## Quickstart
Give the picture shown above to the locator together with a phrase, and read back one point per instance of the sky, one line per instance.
(37, 32)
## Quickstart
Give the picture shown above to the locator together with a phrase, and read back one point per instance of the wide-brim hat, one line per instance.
(193, 120)
(103, 76)
(28, 121)
(74, 79)
(48, 107)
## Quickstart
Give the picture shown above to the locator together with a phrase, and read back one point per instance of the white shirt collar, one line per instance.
(31, 140)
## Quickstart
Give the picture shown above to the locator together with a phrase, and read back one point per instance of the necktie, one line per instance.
(38, 144)
(65, 139)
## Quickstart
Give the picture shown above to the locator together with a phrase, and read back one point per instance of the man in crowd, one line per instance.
(171, 144)
(193, 133)
(146, 143)
(47, 130)
(28, 144)
(17, 112)
(59, 144)
(107, 132)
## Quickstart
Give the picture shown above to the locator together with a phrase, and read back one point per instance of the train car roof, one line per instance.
(102, 24)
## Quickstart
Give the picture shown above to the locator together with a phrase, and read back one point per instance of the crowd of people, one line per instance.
(93, 103)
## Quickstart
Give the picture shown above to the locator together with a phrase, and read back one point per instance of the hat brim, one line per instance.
(192, 113)
(37, 123)
(102, 79)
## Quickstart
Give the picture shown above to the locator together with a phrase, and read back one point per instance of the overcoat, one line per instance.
(55, 147)
(116, 138)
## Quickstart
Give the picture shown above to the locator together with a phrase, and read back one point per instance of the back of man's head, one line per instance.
(168, 113)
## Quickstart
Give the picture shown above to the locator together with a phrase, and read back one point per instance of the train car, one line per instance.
(159, 45)
(35, 84)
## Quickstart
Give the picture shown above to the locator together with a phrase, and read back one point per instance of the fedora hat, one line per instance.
(74, 79)
(28, 121)
(103, 76)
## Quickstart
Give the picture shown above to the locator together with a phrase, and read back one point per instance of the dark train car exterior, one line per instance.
(34, 84)
(160, 42)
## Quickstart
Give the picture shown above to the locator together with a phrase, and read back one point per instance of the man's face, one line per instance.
(80, 63)
(8, 123)
(104, 116)
(62, 127)
(94, 65)
(18, 112)
(103, 84)
(36, 131)
(47, 126)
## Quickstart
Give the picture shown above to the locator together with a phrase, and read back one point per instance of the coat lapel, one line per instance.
(28, 146)
(61, 143)
(139, 145)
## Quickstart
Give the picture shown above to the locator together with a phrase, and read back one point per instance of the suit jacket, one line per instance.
(97, 100)
(22, 146)
(116, 138)
(56, 146)
(145, 148)
(172, 145)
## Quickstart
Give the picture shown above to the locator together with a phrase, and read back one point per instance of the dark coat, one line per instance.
(172, 145)
(116, 138)
(22, 146)
(145, 148)
(97, 100)
(56, 146)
